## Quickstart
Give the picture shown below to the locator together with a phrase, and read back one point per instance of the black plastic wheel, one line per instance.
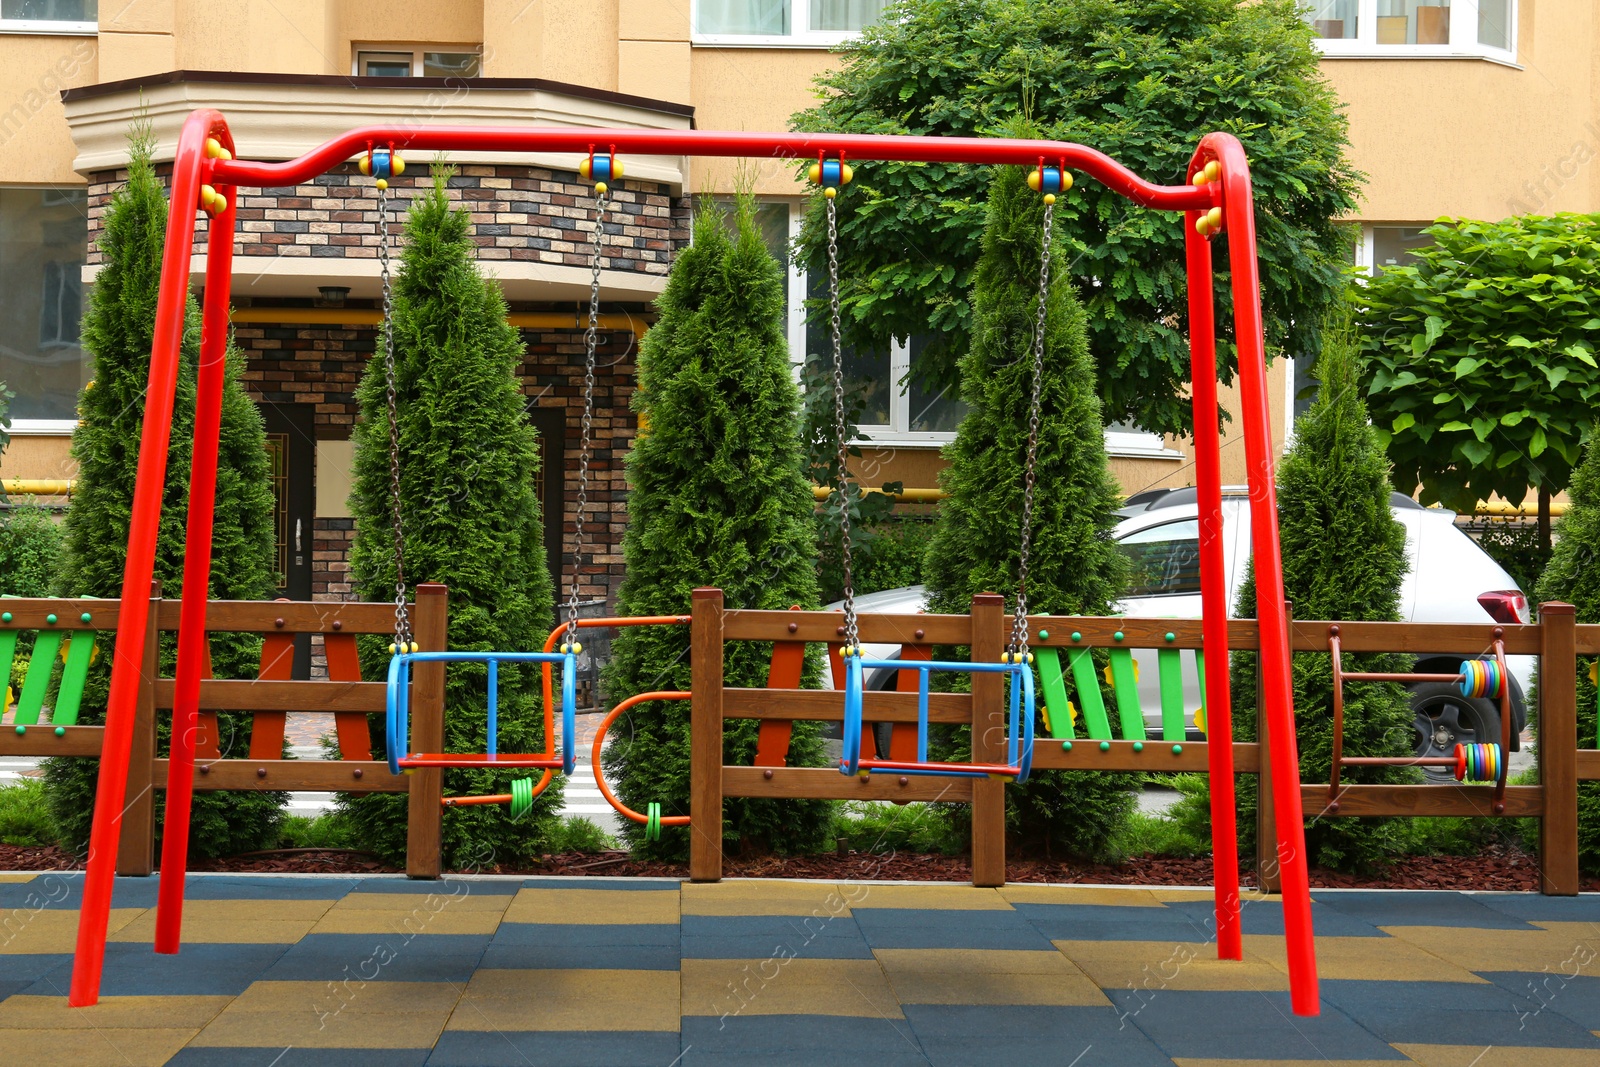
(1443, 718)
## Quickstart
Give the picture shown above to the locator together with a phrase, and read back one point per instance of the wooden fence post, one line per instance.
(988, 742)
(705, 729)
(136, 849)
(1558, 749)
(425, 810)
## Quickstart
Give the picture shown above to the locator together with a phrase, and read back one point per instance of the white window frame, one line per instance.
(415, 50)
(800, 34)
(50, 26)
(42, 427)
(1463, 36)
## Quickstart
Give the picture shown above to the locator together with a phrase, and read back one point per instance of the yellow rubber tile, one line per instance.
(765, 898)
(987, 976)
(17, 877)
(367, 998)
(1498, 1056)
(219, 931)
(603, 907)
(569, 1000)
(1386, 959)
(1247, 895)
(96, 1048)
(787, 987)
(25, 931)
(452, 896)
(1078, 894)
(330, 1029)
(417, 921)
(1502, 950)
(1170, 965)
(933, 897)
(112, 1013)
(1183, 1062)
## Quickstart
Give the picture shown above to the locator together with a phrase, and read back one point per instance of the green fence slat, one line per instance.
(73, 676)
(1127, 691)
(1059, 718)
(40, 665)
(1200, 673)
(1169, 662)
(8, 651)
(1090, 702)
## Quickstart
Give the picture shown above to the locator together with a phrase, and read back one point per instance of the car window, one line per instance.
(1164, 560)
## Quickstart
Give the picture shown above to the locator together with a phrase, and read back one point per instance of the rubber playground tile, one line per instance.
(19, 876)
(421, 921)
(1266, 917)
(299, 1057)
(1244, 1026)
(360, 958)
(86, 1047)
(1500, 950)
(47, 892)
(909, 928)
(399, 883)
(1169, 965)
(111, 1013)
(1535, 907)
(926, 897)
(944, 976)
(800, 1040)
(1081, 895)
(345, 1029)
(42, 931)
(219, 931)
(747, 936)
(1356, 998)
(1388, 959)
(538, 946)
(266, 887)
(1577, 996)
(570, 1001)
(1496, 1056)
(1419, 907)
(606, 907)
(764, 898)
(1478, 1027)
(641, 885)
(1066, 921)
(318, 999)
(25, 970)
(510, 1048)
(771, 986)
(63, 891)
(132, 969)
(967, 1036)
(448, 896)
(8, 989)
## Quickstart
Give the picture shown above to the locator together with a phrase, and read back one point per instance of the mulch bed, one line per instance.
(1497, 868)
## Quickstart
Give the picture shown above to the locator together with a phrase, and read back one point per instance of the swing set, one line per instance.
(1214, 199)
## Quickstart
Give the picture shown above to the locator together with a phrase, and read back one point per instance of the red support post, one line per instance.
(1213, 586)
(1239, 224)
(143, 527)
(192, 650)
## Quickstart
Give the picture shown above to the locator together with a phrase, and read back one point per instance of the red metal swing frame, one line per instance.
(194, 168)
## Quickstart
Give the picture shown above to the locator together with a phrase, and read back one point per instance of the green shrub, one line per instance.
(469, 460)
(719, 497)
(1515, 546)
(577, 834)
(866, 826)
(1147, 834)
(24, 815)
(118, 329)
(887, 554)
(1075, 568)
(30, 551)
(331, 829)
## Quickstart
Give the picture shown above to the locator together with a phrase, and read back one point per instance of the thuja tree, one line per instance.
(718, 497)
(117, 330)
(468, 461)
(1138, 79)
(1344, 557)
(1574, 576)
(1074, 567)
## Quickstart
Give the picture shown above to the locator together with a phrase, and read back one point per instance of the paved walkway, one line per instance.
(289, 970)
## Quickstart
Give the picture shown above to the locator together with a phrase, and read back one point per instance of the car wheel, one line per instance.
(1444, 719)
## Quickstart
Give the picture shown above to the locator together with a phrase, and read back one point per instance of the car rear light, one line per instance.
(1505, 605)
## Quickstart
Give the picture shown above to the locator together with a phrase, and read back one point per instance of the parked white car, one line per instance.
(1450, 579)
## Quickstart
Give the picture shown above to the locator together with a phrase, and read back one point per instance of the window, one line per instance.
(1164, 560)
(43, 236)
(405, 61)
(1381, 247)
(783, 22)
(1414, 27)
(71, 16)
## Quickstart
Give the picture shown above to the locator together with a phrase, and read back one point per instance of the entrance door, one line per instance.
(551, 484)
(292, 446)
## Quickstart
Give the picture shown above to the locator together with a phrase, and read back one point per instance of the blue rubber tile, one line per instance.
(1266, 917)
(800, 1040)
(1576, 997)
(1535, 1029)
(244, 887)
(299, 1057)
(9, 987)
(1244, 1026)
(1536, 907)
(386, 957)
(1416, 908)
(401, 884)
(1084, 922)
(30, 967)
(744, 937)
(645, 946)
(919, 928)
(63, 891)
(956, 1035)
(463, 1048)
(1356, 998)
(656, 884)
(132, 969)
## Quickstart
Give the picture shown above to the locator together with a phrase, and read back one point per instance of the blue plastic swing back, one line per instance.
(397, 719)
(1019, 737)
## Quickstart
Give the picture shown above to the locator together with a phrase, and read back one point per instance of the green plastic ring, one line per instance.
(521, 797)
(652, 826)
(1105, 746)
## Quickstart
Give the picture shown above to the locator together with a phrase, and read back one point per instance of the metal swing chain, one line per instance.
(852, 637)
(1019, 624)
(402, 611)
(590, 339)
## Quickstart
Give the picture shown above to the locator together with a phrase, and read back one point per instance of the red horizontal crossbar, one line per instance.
(477, 759)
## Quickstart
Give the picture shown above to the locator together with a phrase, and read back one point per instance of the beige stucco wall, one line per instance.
(563, 40)
(35, 146)
(752, 89)
(46, 457)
